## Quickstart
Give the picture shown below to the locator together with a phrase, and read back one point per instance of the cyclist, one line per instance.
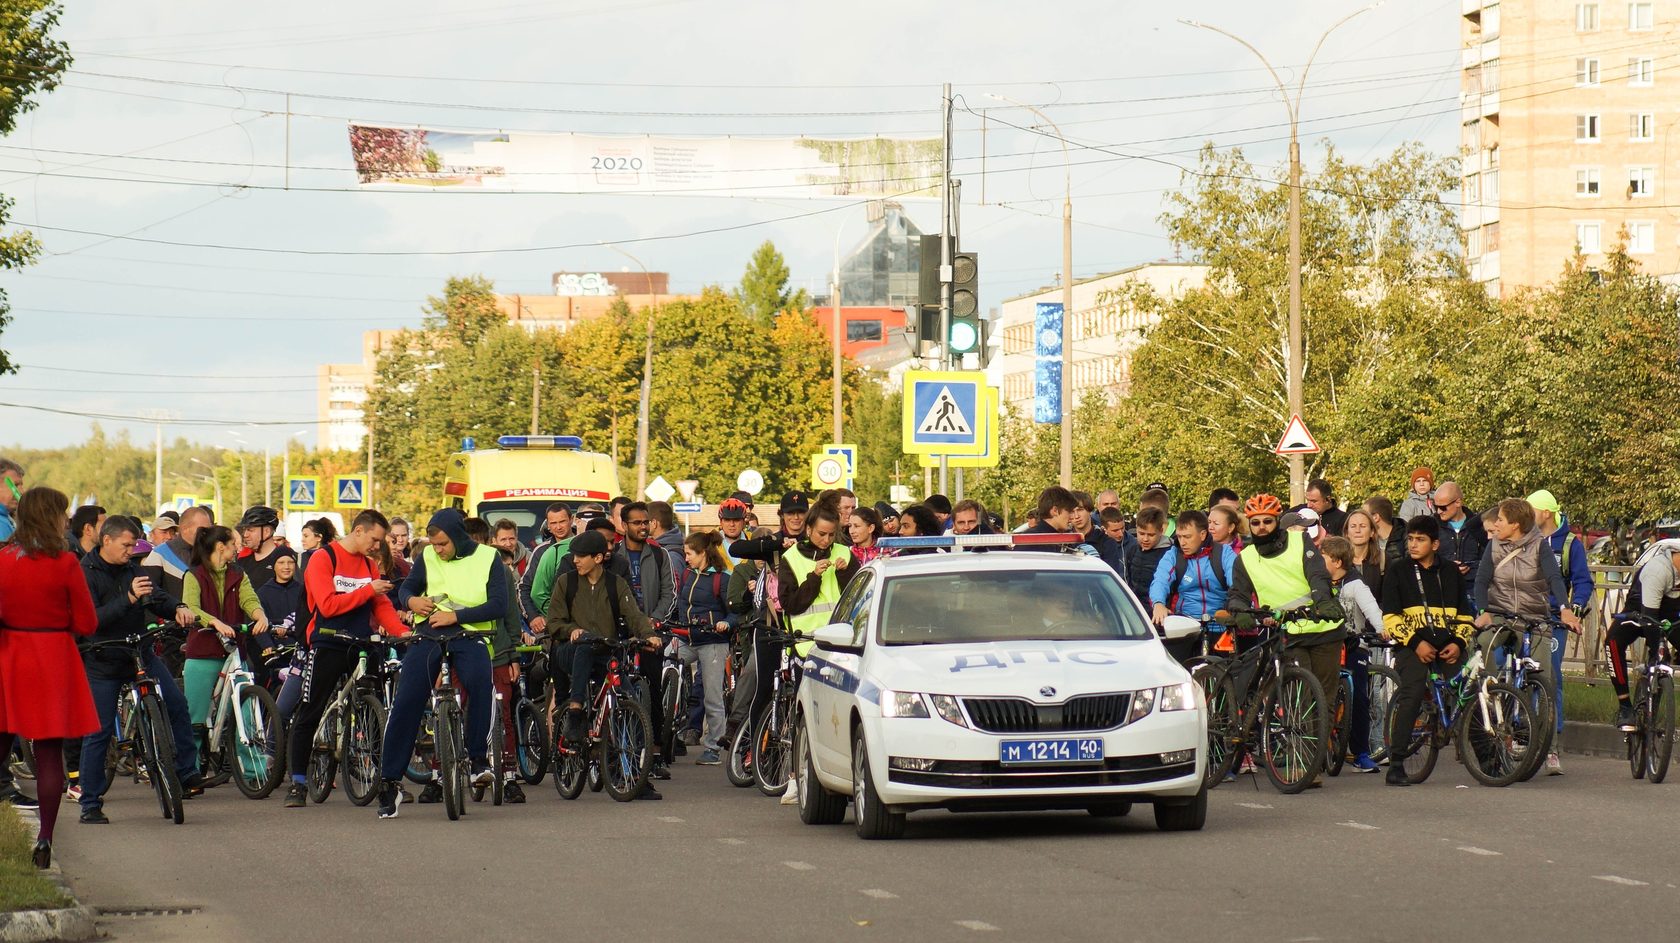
(1364, 615)
(654, 586)
(504, 659)
(732, 523)
(454, 583)
(1655, 593)
(1192, 579)
(1426, 612)
(703, 604)
(1281, 569)
(124, 597)
(589, 603)
(345, 601)
(256, 532)
(1519, 574)
(220, 596)
(810, 578)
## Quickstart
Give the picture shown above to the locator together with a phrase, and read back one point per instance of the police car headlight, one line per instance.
(947, 707)
(1178, 697)
(1142, 703)
(903, 704)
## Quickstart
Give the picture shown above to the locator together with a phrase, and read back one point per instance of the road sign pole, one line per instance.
(947, 254)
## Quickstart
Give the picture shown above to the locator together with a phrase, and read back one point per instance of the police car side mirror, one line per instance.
(836, 638)
(1180, 627)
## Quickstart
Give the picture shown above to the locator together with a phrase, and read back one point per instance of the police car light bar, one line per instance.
(977, 541)
(540, 442)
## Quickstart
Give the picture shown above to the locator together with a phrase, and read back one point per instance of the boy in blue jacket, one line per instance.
(1192, 579)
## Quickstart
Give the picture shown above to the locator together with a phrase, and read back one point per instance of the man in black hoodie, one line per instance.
(1426, 611)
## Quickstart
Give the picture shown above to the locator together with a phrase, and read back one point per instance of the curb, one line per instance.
(1593, 739)
(74, 923)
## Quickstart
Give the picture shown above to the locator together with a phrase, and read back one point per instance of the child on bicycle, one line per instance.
(1363, 616)
(1425, 611)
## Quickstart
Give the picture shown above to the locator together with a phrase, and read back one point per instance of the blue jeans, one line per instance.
(1557, 673)
(95, 746)
(419, 672)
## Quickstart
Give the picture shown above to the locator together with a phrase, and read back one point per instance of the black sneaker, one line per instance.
(432, 794)
(648, 792)
(192, 786)
(390, 797)
(573, 729)
(512, 794)
(94, 817)
(1625, 719)
(1397, 776)
(296, 796)
(660, 771)
(11, 793)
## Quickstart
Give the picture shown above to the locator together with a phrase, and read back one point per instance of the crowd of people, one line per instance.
(1425, 577)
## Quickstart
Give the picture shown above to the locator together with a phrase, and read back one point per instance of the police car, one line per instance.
(1005, 680)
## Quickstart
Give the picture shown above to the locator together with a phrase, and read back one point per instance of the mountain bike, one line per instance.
(772, 736)
(153, 737)
(1494, 725)
(1650, 745)
(618, 741)
(244, 742)
(530, 719)
(351, 733)
(1508, 646)
(1380, 685)
(1260, 701)
(674, 685)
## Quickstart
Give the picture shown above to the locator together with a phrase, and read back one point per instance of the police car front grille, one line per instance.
(1015, 715)
(990, 774)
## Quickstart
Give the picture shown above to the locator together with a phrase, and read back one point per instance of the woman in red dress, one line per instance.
(44, 604)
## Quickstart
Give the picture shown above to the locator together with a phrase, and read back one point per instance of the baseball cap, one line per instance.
(794, 502)
(743, 497)
(1545, 501)
(165, 523)
(732, 510)
(1160, 486)
(1309, 517)
(591, 510)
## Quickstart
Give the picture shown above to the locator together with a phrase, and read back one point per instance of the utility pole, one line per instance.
(947, 255)
(157, 470)
(646, 405)
(536, 390)
(839, 323)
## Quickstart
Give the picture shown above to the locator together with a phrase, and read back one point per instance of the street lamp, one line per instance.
(286, 471)
(214, 484)
(1297, 463)
(838, 323)
(1067, 291)
(647, 377)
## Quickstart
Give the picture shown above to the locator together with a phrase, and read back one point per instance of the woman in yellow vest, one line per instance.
(812, 574)
(1281, 569)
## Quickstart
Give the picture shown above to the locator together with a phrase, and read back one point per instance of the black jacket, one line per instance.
(1464, 545)
(1140, 567)
(109, 585)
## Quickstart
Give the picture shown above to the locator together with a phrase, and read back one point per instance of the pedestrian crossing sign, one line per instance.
(303, 493)
(989, 418)
(943, 412)
(350, 491)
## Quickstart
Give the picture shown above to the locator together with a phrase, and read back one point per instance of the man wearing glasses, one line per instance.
(1463, 537)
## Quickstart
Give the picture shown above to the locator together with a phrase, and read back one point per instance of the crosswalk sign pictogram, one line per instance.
(303, 493)
(350, 491)
(942, 412)
(1296, 439)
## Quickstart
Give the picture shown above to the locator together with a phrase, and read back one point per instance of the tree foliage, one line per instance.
(764, 291)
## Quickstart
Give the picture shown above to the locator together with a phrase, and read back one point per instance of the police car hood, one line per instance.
(1023, 668)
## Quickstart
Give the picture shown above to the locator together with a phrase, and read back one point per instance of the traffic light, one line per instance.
(965, 303)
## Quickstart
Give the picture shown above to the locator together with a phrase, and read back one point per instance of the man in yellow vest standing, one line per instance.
(454, 586)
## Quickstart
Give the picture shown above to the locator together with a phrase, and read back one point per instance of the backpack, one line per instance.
(1214, 561)
(612, 598)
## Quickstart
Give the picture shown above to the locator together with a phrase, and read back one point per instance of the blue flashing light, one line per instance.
(968, 541)
(540, 442)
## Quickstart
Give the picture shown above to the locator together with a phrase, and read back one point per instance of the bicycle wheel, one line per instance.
(769, 753)
(1341, 727)
(1418, 754)
(1636, 741)
(159, 746)
(676, 713)
(323, 756)
(1294, 729)
(1544, 717)
(1381, 683)
(446, 725)
(364, 739)
(1224, 720)
(571, 762)
(497, 751)
(739, 767)
(22, 760)
(627, 757)
(1498, 734)
(419, 771)
(259, 756)
(531, 754)
(1659, 733)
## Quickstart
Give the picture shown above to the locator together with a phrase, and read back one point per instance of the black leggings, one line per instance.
(1622, 634)
(329, 664)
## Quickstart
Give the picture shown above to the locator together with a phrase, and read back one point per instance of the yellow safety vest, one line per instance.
(1281, 582)
(822, 609)
(465, 580)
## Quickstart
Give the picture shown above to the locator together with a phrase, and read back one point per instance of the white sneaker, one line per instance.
(791, 796)
(74, 793)
(1554, 767)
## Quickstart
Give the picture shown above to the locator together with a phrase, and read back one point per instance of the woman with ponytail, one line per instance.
(703, 604)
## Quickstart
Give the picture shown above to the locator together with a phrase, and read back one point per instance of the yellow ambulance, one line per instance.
(520, 478)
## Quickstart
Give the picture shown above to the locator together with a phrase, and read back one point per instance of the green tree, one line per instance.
(764, 290)
(32, 62)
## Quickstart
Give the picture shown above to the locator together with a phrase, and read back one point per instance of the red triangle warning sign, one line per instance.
(1296, 439)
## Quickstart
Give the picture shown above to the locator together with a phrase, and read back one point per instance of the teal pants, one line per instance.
(198, 676)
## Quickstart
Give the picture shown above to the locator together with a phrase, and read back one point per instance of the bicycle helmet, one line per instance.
(1262, 505)
(259, 516)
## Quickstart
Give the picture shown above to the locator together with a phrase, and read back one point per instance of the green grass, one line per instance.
(22, 887)
(1593, 703)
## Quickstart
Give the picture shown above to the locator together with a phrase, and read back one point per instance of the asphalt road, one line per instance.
(1590, 854)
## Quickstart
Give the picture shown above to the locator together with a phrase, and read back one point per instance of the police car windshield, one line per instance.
(1008, 606)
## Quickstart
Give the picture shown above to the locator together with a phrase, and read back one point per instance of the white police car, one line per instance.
(1006, 680)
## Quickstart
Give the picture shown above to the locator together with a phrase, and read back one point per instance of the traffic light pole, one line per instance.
(947, 255)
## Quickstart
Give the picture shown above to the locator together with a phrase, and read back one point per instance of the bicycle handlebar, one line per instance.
(153, 630)
(1527, 622)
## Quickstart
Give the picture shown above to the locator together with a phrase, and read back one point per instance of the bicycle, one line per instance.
(152, 733)
(449, 737)
(244, 742)
(1380, 685)
(1650, 745)
(1492, 723)
(1260, 701)
(530, 721)
(674, 685)
(772, 735)
(351, 733)
(1509, 647)
(617, 745)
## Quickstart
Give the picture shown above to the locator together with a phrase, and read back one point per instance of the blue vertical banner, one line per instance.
(1047, 369)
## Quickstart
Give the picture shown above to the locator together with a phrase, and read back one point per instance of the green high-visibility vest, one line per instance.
(821, 612)
(1281, 582)
(465, 580)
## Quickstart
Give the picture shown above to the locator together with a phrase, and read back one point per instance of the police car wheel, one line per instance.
(874, 820)
(1183, 815)
(817, 806)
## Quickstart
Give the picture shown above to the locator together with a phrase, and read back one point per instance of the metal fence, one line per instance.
(1585, 652)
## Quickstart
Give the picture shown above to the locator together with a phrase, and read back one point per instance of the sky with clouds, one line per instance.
(181, 273)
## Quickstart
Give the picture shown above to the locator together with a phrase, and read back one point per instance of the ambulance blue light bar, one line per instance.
(977, 541)
(540, 442)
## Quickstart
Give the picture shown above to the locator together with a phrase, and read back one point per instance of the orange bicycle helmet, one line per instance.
(1262, 504)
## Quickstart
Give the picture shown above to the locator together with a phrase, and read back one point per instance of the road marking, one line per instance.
(878, 893)
(975, 925)
(1617, 879)
(800, 865)
(733, 841)
(670, 818)
(1253, 805)
(1361, 826)
(1472, 849)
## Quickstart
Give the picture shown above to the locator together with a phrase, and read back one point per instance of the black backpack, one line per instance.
(1214, 561)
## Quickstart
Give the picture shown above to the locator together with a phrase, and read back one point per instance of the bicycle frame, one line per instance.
(235, 676)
